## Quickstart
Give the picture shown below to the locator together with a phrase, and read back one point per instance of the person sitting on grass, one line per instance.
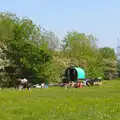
(78, 84)
(69, 85)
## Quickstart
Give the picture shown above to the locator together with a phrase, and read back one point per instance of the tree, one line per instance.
(109, 62)
(83, 51)
(31, 52)
(27, 50)
(52, 39)
(108, 53)
(4, 62)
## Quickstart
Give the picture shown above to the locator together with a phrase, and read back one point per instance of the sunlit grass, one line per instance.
(92, 103)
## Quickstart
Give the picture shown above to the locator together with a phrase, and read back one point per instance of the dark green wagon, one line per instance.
(74, 74)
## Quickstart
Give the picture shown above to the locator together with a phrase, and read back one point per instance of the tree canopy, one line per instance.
(26, 50)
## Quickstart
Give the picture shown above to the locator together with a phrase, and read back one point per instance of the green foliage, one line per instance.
(32, 52)
(4, 62)
(27, 51)
(83, 48)
(51, 39)
(108, 53)
(109, 62)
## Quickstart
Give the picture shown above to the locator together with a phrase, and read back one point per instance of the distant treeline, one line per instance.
(28, 50)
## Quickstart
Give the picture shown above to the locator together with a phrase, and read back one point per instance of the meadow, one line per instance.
(57, 103)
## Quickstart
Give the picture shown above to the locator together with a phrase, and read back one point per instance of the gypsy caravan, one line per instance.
(74, 74)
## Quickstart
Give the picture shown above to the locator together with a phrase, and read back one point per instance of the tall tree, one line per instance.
(83, 51)
(109, 62)
(27, 49)
(52, 39)
(4, 62)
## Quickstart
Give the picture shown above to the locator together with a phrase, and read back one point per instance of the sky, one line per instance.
(101, 18)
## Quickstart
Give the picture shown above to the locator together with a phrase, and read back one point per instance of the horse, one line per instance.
(21, 84)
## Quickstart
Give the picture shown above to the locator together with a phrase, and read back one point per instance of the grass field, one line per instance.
(93, 103)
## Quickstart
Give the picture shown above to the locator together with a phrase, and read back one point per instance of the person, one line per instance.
(69, 85)
(46, 85)
(79, 84)
(87, 82)
(84, 83)
(42, 85)
(73, 84)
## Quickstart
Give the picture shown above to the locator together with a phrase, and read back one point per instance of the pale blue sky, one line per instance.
(98, 17)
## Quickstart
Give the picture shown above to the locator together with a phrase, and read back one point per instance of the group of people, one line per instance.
(86, 82)
(23, 83)
(73, 84)
(43, 85)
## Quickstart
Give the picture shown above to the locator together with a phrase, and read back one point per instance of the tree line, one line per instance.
(30, 51)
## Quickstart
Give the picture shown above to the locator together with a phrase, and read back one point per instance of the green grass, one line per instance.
(93, 103)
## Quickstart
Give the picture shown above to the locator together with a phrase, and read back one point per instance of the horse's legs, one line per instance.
(24, 86)
(20, 87)
(28, 87)
(16, 86)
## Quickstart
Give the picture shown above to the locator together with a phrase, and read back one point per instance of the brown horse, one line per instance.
(21, 84)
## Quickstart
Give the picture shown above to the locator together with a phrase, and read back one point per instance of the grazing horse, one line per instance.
(21, 84)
